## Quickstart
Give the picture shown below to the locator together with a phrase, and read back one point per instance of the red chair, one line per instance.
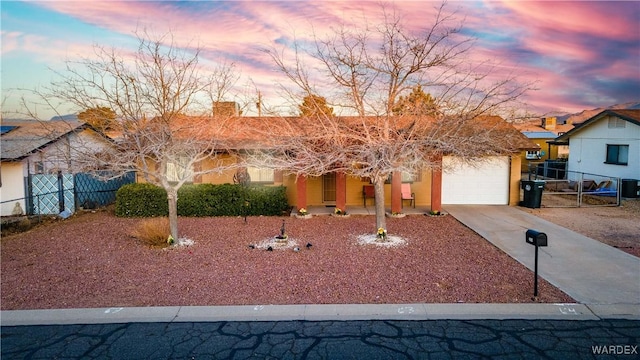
(408, 195)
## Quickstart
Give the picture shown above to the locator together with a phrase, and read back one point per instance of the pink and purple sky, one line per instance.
(584, 54)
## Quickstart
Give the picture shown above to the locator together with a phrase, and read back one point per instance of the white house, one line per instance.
(606, 144)
(39, 147)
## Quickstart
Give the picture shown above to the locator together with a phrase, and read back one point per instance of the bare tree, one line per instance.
(158, 96)
(370, 68)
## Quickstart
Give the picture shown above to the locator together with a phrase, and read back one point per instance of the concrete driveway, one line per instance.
(589, 271)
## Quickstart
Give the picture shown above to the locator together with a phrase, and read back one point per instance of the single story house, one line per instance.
(606, 144)
(30, 147)
(494, 180)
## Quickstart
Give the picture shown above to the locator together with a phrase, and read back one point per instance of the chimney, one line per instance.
(226, 108)
(259, 104)
(549, 123)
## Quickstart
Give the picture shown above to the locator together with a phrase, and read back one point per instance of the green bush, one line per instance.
(206, 200)
(141, 200)
(231, 200)
(267, 200)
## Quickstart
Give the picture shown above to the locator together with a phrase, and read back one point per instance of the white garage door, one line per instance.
(485, 183)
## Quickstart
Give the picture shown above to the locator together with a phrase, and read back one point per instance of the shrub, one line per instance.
(141, 200)
(231, 200)
(153, 232)
(211, 200)
(146, 200)
(268, 200)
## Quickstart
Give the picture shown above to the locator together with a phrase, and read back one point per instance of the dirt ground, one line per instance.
(615, 226)
(92, 260)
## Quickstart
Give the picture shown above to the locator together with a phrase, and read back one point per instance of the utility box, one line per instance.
(536, 238)
(532, 193)
(630, 188)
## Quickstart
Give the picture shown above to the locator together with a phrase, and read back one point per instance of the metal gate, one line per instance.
(48, 194)
(577, 189)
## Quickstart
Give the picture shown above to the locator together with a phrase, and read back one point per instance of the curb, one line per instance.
(329, 312)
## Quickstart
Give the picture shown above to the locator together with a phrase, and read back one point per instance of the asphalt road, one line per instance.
(438, 339)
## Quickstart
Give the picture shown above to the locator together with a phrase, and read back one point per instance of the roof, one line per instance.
(539, 134)
(27, 136)
(630, 115)
(245, 133)
(251, 132)
(535, 126)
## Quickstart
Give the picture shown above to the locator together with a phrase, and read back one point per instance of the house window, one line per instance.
(617, 154)
(38, 167)
(179, 170)
(616, 123)
(260, 175)
(533, 155)
(410, 178)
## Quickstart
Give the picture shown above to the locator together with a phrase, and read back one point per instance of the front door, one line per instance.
(329, 189)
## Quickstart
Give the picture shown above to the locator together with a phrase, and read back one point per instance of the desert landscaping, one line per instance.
(91, 260)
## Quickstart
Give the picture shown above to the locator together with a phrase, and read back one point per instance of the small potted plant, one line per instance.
(436, 213)
(395, 214)
(303, 213)
(381, 235)
(340, 213)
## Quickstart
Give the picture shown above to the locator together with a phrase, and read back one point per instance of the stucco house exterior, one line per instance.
(39, 147)
(606, 144)
(492, 180)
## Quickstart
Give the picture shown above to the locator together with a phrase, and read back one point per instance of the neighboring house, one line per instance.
(493, 181)
(543, 132)
(39, 147)
(606, 144)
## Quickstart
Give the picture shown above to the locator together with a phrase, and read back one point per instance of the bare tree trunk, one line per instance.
(172, 198)
(378, 186)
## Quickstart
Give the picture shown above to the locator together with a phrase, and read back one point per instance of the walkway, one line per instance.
(589, 271)
(369, 210)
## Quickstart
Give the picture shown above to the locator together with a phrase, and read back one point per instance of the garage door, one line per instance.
(485, 183)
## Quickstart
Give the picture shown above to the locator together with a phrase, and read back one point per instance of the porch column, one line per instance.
(396, 192)
(341, 190)
(436, 186)
(301, 191)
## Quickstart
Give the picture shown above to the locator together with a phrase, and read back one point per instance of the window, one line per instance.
(179, 170)
(533, 155)
(260, 175)
(616, 123)
(617, 154)
(409, 178)
(38, 167)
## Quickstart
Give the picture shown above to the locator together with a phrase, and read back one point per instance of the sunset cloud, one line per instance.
(580, 54)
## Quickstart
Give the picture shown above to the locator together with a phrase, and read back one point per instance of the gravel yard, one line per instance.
(615, 226)
(90, 260)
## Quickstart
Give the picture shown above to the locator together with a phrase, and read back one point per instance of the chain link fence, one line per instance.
(50, 194)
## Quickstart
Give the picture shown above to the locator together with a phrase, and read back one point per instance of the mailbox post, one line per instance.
(536, 239)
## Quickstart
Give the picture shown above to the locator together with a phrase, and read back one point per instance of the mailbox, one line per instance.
(536, 238)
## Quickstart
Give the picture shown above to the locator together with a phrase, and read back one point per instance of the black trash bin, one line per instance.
(532, 193)
(629, 188)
